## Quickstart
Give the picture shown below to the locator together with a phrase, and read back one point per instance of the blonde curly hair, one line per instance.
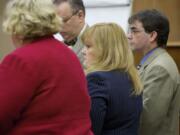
(31, 19)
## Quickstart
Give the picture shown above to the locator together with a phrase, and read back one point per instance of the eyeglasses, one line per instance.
(65, 20)
(134, 31)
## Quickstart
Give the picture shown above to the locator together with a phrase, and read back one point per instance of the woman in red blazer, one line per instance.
(42, 84)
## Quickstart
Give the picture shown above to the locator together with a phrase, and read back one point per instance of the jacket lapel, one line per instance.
(154, 55)
(77, 48)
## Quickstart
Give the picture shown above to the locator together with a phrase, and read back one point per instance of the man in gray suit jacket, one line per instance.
(148, 34)
(73, 16)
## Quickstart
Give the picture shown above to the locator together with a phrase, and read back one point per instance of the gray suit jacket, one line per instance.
(161, 95)
(77, 48)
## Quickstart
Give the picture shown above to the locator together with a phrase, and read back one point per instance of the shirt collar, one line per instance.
(147, 56)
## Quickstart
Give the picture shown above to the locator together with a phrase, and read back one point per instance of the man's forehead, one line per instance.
(64, 9)
(136, 24)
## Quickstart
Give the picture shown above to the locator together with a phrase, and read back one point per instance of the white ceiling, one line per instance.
(102, 3)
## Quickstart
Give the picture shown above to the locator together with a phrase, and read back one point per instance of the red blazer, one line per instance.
(43, 91)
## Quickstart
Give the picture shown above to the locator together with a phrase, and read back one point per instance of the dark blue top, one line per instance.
(114, 109)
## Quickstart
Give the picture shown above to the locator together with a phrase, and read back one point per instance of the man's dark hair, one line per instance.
(76, 5)
(153, 20)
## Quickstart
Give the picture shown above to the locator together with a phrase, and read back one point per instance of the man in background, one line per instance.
(73, 15)
(149, 30)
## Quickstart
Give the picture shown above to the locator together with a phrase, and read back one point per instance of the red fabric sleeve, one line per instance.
(17, 82)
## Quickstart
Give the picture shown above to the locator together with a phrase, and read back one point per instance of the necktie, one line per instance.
(71, 43)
